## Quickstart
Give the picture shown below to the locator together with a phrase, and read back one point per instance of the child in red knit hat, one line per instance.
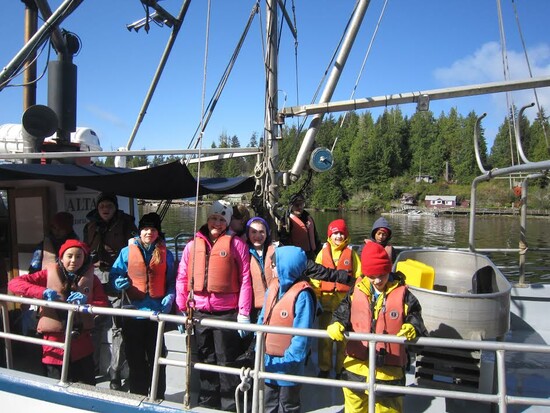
(337, 254)
(378, 303)
(71, 279)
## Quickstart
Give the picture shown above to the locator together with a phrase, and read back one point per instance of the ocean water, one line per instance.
(416, 231)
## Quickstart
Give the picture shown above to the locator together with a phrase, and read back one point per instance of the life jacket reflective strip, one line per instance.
(214, 271)
(261, 280)
(146, 279)
(390, 319)
(302, 234)
(53, 320)
(345, 262)
(281, 314)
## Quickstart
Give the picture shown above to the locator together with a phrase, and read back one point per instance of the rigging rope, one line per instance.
(327, 70)
(190, 299)
(223, 81)
(543, 124)
(509, 100)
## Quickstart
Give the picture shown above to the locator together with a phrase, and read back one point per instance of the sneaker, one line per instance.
(115, 384)
(323, 374)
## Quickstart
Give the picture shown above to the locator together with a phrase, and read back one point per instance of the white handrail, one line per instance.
(258, 375)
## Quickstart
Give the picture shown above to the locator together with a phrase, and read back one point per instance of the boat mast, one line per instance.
(41, 36)
(29, 74)
(271, 187)
(335, 74)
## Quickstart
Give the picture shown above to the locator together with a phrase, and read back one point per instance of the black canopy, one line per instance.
(169, 181)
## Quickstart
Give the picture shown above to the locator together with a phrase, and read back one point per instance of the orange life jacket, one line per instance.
(303, 234)
(390, 319)
(214, 268)
(281, 314)
(53, 320)
(345, 262)
(146, 278)
(261, 279)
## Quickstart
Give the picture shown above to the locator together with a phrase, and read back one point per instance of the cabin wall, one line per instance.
(29, 206)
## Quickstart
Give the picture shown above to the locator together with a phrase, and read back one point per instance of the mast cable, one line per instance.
(191, 274)
(530, 74)
(223, 81)
(296, 71)
(509, 100)
(19, 71)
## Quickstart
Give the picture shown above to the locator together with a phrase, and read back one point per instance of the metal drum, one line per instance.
(470, 298)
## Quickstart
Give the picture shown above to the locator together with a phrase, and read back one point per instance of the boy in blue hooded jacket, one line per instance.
(290, 302)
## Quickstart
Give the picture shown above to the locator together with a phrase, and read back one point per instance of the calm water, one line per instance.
(420, 230)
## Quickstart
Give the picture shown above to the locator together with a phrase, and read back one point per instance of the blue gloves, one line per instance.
(167, 303)
(244, 319)
(122, 283)
(77, 298)
(50, 295)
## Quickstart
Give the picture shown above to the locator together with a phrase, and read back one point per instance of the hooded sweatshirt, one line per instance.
(291, 263)
(383, 223)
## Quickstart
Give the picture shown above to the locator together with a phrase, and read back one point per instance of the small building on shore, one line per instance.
(440, 201)
(408, 199)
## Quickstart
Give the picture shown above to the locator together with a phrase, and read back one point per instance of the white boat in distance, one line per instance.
(498, 362)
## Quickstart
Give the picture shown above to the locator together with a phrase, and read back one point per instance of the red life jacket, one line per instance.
(390, 319)
(345, 262)
(53, 320)
(214, 268)
(146, 279)
(281, 314)
(302, 234)
(261, 279)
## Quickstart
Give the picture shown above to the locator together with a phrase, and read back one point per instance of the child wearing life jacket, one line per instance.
(71, 279)
(300, 229)
(378, 303)
(336, 254)
(145, 271)
(290, 302)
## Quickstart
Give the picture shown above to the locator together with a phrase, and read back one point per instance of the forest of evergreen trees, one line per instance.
(376, 161)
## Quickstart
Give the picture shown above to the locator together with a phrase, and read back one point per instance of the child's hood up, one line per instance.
(291, 264)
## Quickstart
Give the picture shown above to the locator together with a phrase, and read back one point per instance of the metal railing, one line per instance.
(257, 374)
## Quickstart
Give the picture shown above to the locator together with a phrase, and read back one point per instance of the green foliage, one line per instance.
(376, 161)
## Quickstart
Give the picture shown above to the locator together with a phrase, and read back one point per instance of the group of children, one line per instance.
(235, 273)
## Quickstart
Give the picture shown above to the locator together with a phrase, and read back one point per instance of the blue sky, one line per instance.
(420, 45)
